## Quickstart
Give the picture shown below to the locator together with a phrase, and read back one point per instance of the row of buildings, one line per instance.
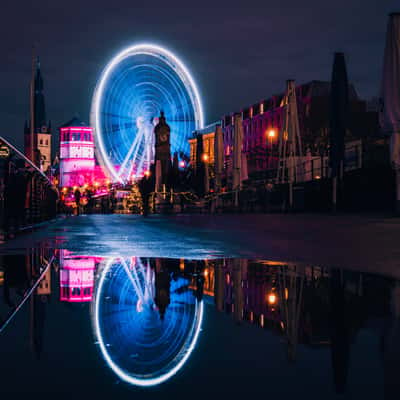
(263, 123)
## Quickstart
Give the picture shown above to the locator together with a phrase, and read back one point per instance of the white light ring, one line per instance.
(121, 373)
(149, 49)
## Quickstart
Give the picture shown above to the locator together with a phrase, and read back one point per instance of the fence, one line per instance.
(27, 196)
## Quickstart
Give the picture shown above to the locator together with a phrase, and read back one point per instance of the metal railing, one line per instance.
(27, 196)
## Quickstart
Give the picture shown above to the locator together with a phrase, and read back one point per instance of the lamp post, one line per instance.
(271, 135)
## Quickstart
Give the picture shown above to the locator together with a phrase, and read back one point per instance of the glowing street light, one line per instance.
(205, 157)
(271, 298)
(272, 133)
(147, 173)
(182, 164)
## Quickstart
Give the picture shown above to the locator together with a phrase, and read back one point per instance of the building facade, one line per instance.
(77, 160)
(208, 134)
(263, 123)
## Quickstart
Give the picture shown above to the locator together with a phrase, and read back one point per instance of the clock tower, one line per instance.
(162, 133)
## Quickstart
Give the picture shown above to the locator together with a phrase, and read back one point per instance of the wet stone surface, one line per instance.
(106, 326)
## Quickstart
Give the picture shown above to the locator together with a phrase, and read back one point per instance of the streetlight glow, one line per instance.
(271, 133)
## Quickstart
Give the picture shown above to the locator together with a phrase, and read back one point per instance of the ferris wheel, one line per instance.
(138, 346)
(135, 86)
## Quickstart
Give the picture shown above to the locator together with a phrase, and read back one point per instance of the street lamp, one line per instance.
(271, 133)
(271, 136)
(271, 298)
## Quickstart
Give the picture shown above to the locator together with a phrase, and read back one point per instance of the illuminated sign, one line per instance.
(4, 151)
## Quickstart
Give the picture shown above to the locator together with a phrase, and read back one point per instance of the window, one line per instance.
(47, 142)
(41, 141)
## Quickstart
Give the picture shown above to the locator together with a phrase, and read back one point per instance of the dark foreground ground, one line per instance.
(367, 243)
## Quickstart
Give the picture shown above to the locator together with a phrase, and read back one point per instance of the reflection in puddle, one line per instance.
(146, 318)
(146, 314)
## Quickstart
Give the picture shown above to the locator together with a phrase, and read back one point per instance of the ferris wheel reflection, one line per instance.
(147, 316)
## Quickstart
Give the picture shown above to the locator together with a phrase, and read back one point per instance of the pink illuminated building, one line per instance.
(76, 277)
(77, 161)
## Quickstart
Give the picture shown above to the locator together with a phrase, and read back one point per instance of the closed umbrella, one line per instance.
(200, 166)
(339, 99)
(244, 175)
(237, 157)
(237, 152)
(391, 96)
(218, 157)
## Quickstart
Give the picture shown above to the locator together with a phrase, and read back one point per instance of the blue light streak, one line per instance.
(135, 86)
(136, 344)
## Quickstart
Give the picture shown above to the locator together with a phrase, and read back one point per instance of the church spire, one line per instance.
(40, 109)
(38, 77)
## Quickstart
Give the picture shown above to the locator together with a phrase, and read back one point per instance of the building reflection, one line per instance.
(147, 313)
(27, 279)
(76, 277)
(311, 306)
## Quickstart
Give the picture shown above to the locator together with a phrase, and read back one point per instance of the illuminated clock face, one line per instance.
(163, 137)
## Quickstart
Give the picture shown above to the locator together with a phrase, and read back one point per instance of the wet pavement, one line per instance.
(365, 243)
(86, 314)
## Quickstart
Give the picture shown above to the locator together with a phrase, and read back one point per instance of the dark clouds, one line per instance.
(239, 52)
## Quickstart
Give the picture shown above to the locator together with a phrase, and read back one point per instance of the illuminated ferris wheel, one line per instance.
(136, 85)
(138, 345)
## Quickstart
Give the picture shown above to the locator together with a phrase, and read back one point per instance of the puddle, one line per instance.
(76, 324)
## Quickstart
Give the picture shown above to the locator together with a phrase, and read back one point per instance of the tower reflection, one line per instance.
(146, 318)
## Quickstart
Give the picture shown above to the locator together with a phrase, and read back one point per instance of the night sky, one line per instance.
(238, 52)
